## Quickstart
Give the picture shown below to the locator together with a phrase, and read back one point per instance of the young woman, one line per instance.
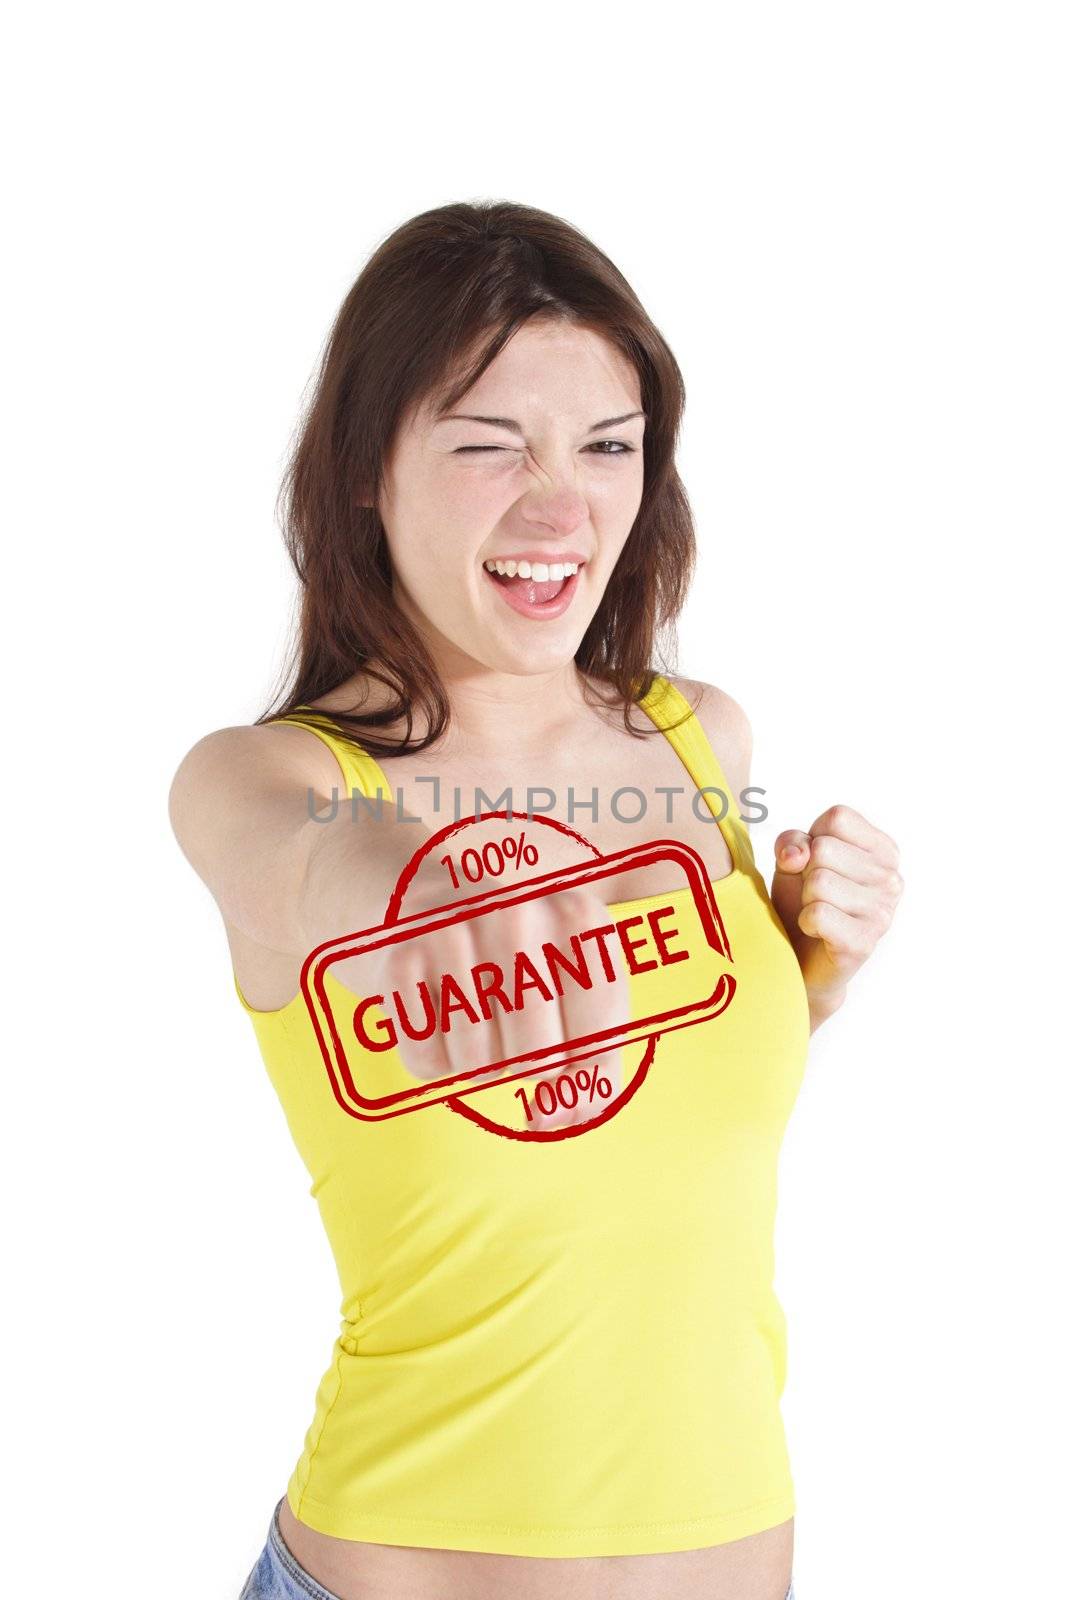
(541, 1095)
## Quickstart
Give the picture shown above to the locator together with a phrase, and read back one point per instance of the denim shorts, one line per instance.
(278, 1575)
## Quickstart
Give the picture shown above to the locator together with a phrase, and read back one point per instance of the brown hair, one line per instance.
(433, 306)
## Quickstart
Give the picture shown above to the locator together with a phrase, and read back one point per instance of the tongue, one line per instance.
(535, 594)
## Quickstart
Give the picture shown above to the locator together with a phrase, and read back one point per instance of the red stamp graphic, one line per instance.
(530, 1004)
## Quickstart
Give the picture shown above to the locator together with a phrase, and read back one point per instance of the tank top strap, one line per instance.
(361, 772)
(666, 704)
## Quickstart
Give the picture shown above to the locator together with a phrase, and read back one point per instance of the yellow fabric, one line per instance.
(569, 1348)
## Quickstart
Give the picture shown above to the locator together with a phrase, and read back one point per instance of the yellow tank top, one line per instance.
(570, 1347)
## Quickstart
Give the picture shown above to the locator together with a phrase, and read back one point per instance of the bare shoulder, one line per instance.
(231, 770)
(240, 810)
(724, 721)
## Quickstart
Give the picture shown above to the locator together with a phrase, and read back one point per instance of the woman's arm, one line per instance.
(836, 887)
(240, 810)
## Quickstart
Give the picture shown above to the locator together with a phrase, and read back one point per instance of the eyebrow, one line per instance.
(515, 427)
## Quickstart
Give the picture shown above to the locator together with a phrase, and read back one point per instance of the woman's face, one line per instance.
(553, 472)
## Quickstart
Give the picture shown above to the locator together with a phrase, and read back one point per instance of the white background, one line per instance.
(848, 222)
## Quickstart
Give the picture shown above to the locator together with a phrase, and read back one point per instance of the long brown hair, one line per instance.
(433, 306)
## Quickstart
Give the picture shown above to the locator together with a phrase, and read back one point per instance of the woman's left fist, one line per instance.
(836, 890)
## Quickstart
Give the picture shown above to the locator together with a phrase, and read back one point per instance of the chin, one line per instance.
(535, 656)
(514, 663)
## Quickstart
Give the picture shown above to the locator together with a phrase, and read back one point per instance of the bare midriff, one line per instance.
(757, 1567)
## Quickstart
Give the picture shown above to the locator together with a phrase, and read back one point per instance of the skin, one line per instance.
(519, 716)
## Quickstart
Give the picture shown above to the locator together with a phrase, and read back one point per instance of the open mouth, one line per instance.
(535, 588)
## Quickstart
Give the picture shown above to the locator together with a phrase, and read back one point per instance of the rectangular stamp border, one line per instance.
(318, 962)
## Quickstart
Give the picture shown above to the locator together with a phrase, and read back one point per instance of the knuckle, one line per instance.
(819, 882)
(582, 903)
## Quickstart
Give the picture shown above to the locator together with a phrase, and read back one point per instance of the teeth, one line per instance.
(539, 571)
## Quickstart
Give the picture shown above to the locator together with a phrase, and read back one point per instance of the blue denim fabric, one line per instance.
(278, 1575)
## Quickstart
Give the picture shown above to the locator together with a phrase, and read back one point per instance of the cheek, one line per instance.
(477, 498)
(427, 572)
(436, 566)
(443, 528)
(620, 492)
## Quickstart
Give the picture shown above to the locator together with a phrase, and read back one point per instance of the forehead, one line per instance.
(549, 367)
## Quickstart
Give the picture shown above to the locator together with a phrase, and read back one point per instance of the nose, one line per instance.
(556, 502)
(562, 512)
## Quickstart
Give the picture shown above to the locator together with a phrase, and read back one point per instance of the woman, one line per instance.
(551, 1202)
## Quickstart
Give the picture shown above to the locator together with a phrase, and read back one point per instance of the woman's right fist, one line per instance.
(522, 978)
